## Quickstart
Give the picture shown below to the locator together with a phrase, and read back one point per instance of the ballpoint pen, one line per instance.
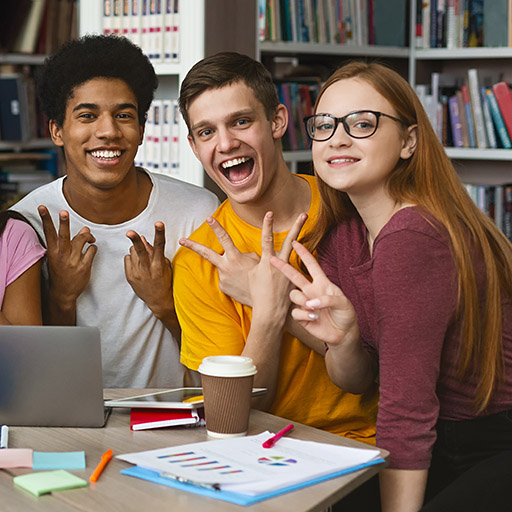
(99, 468)
(214, 487)
(273, 440)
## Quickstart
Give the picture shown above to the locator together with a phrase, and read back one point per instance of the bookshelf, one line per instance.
(475, 165)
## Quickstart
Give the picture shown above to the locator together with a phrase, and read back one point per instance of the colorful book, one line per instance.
(458, 140)
(145, 419)
(476, 107)
(470, 122)
(501, 129)
(489, 125)
(503, 96)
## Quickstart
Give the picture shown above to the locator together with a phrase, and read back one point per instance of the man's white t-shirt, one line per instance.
(137, 349)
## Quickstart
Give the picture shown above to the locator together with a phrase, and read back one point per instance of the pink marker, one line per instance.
(273, 440)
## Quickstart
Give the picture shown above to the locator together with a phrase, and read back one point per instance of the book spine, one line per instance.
(489, 126)
(476, 104)
(504, 98)
(498, 119)
(469, 117)
(456, 125)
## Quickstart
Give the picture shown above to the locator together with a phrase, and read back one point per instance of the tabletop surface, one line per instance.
(116, 492)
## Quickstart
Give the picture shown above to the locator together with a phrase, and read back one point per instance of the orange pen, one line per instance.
(101, 466)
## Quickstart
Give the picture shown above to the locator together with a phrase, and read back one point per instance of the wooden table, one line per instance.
(116, 492)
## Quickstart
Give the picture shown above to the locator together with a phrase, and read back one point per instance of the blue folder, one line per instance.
(235, 497)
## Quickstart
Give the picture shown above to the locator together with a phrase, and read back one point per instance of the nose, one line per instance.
(106, 127)
(226, 140)
(340, 137)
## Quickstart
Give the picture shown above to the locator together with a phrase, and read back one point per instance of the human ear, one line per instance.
(279, 122)
(409, 145)
(142, 128)
(55, 133)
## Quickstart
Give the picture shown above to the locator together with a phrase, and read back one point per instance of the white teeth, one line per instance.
(106, 154)
(235, 161)
(342, 160)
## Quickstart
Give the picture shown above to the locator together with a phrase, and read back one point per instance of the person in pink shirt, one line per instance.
(412, 288)
(20, 271)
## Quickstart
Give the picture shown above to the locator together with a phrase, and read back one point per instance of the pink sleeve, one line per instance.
(415, 290)
(19, 250)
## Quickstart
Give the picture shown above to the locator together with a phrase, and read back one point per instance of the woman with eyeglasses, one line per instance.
(413, 289)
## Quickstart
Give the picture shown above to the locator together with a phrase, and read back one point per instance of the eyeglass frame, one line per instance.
(338, 120)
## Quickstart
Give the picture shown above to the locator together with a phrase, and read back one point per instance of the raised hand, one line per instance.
(233, 266)
(149, 272)
(323, 309)
(269, 289)
(69, 266)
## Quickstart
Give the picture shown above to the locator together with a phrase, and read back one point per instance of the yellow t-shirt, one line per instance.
(214, 324)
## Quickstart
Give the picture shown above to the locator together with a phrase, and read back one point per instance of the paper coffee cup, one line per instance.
(227, 389)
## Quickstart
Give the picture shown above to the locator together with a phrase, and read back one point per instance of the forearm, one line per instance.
(167, 316)
(296, 330)
(402, 490)
(350, 366)
(263, 346)
(58, 310)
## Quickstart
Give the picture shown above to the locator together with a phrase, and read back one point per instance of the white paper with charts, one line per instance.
(242, 465)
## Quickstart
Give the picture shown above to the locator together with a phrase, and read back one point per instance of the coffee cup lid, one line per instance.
(227, 366)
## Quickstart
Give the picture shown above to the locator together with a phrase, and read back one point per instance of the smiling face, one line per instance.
(100, 134)
(360, 167)
(235, 142)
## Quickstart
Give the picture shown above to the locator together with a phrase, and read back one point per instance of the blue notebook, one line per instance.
(234, 497)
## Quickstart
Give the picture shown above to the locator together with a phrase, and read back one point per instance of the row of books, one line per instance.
(159, 151)
(153, 25)
(495, 201)
(299, 98)
(463, 23)
(22, 172)
(466, 113)
(37, 26)
(356, 22)
(20, 117)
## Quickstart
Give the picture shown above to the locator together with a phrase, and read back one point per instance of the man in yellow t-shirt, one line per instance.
(235, 126)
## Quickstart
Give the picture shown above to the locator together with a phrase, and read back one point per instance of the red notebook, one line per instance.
(142, 419)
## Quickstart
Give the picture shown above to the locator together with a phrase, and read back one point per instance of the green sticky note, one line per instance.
(48, 481)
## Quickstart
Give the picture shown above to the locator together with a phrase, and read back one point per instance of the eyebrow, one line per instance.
(230, 116)
(94, 106)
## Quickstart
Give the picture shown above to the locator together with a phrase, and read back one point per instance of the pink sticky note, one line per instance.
(15, 458)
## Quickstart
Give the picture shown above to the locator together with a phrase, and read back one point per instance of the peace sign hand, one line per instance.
(323, 309)
(234, 266)
(69, 266)
(149, 272)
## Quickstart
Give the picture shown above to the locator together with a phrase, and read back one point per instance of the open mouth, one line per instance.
(238, 170)
(106, 155)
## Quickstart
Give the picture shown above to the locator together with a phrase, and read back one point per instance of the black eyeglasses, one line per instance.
(359, 125)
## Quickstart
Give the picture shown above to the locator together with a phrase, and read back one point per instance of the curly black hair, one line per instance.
(94, 56)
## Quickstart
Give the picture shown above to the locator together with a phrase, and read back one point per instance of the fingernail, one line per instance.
(313, 316)
(209, 220)
(313, 303)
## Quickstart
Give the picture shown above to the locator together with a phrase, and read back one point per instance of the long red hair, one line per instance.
(429, 180)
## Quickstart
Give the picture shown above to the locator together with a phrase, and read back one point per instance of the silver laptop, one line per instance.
(51, 376)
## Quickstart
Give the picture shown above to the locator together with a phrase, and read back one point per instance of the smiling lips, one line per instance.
(238, 170)
(104, 154)
(342, 160)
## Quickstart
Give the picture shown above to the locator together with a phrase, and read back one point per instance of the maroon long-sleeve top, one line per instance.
(405, 298)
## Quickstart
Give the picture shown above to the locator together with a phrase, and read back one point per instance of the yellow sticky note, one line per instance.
(48, 481)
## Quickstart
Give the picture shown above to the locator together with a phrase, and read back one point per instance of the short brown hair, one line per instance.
(227, 68)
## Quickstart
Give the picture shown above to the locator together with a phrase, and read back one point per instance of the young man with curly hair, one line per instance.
(118, 226)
